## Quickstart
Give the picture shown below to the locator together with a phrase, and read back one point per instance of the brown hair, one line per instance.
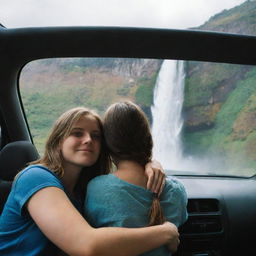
(156, 214)
(52, 157)
(128, 137)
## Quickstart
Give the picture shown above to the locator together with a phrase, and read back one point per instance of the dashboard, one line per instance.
(221, 216)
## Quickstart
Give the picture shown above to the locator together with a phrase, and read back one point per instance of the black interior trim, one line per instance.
(27, 44)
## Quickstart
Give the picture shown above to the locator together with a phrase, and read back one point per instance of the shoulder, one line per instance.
(36, 171)
(105, 188)
(30, 181)
(35, 175)
(174, 199)
(174, 183)
(175, 187)
(100, 181)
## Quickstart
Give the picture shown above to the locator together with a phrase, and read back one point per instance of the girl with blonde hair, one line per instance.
(43, 211)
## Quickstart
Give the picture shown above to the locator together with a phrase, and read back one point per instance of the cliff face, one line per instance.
(135, 68)
(208, 85)
(219, 107)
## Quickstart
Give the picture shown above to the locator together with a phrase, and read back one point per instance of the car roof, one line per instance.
(46, 42)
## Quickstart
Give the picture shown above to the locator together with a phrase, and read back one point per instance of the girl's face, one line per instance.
(82, 147)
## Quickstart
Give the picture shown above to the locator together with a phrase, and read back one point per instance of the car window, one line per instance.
(202, 114)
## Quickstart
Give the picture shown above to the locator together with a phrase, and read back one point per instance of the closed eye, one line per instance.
(77, 133)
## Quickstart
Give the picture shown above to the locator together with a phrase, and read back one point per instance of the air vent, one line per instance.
(203, 205)
(202, 224)
(204, 217)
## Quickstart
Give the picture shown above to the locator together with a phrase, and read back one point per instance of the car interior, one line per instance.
(222, 208)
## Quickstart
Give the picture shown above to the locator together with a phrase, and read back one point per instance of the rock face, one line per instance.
(135, 68)
(220, 101)
(209, 84)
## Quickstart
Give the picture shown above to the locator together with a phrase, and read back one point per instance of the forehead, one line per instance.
(87, 121)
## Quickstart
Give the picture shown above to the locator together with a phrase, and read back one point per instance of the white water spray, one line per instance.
(166, 113)
(167, 126)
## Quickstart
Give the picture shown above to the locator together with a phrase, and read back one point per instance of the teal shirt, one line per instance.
(19, 235)
(112, 202)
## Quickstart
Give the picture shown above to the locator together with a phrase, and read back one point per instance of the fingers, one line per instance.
(161, 187)
(159, 179)
(156, 177)
(160, 183)
(155, 181)
(150, 175)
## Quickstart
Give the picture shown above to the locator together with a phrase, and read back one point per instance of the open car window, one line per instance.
(202, 114)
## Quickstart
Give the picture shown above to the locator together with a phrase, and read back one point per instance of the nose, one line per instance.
(87, 138)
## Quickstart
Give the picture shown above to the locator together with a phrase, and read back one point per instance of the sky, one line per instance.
(180, 14)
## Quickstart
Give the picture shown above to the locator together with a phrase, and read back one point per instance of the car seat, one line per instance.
(13, 158)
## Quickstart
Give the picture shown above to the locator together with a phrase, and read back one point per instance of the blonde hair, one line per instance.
(52, 157)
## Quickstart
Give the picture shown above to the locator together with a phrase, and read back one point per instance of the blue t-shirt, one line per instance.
(112, 202)
(19, 235)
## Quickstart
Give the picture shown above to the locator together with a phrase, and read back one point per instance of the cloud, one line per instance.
(144, 13)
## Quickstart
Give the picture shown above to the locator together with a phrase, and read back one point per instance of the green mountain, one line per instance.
(220, 104)
(238, 20)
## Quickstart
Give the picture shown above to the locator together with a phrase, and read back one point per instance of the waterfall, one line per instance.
(166, 112)
(167, 126)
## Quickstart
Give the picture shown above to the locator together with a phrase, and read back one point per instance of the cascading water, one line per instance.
(167, 126)
(166, 112)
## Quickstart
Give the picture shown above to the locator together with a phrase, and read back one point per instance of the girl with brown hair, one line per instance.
(122, 198)
(42, 210)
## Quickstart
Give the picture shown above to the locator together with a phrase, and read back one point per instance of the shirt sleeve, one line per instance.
(174, 202)
(30, 181)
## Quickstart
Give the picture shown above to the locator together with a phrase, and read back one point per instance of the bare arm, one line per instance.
(64, 226)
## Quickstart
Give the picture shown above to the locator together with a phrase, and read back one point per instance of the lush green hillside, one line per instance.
(220, 98)
(49, 87)
(239, 20)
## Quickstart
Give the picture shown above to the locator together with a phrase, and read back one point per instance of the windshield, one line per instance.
(202, 114)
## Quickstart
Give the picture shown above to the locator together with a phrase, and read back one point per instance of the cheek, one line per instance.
(64, 146)
(98, 147)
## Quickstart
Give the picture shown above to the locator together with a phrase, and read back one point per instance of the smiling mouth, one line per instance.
(85, 150)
